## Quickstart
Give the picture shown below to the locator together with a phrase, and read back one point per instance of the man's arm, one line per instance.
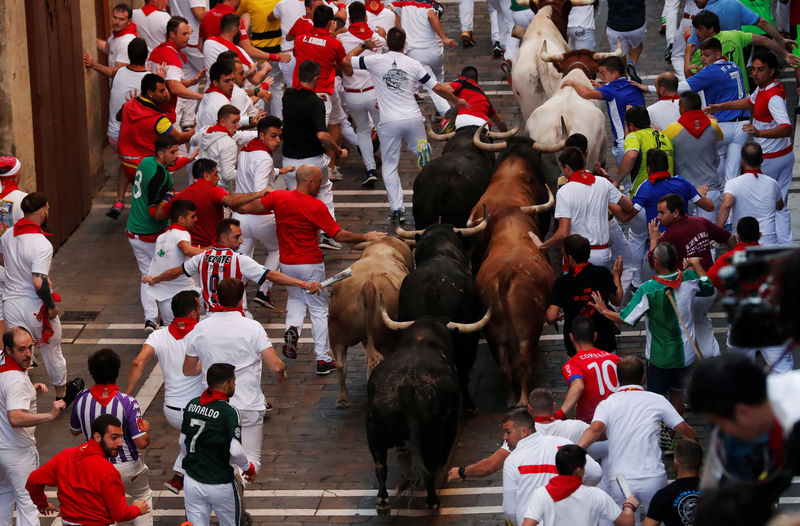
(769, 29)
(595, 432)
(446, 92)
(728, 201)
(274, 363)
(141, 442)
(345, 236)
(481, 468)
(616, 274)
(41, 282)
(37, 480)
(282, 279)
(199, 12)
(498, 121)
(137, 367)
(328, 143)
(167, 275)
(23, 418)
(188, 250)
(551, 315)
(436, 25)
(253, 51)
(558, 236)
(251, 207)
(114, 496)
(90, 62)
(237, 201)
(782, 52)
(704, 202)
(625, 167)
(584, 91)
(686, 431)
(741, 104)
(176, 87)
(182, 136)
(191, 365)
(574, 393)
(621, 214)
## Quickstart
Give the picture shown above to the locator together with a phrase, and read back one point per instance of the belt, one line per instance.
(781, 153)
(174, 408)
(688, 16)
(147, 238)
(348, 90)
(599, 247)
(739, 119)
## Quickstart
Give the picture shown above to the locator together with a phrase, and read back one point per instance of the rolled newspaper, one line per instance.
(346, 273)
(623, 485)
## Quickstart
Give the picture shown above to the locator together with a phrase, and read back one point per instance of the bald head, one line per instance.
(309, 178)
(666, 84)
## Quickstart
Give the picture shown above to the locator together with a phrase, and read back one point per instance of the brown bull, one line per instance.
(515, 278)
(355, 315)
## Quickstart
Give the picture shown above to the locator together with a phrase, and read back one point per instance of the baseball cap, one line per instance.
(12, 164)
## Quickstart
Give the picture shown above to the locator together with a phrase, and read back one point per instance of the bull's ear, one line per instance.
(416, 237)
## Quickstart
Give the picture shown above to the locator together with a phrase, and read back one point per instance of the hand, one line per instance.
(693, 262)
(142, 505)
(788, 45)
(617, 270)
(381, 31)
(145, 425)
(40, 388)
(285, 57)
(58, 406)
(372, 44)
(653, 230)
(52, 313)
(598, 303)
(791, 59)
(197, 77)
(261, 114)
(88, 60)
(687, 32)
(374, 236)
(313, 287)
(286, 170)
(280, 375)
(750, 129)
(193, 155)
(161, 70)
(712, 108)
(132, 94)
(536, 241)
(633, 500)
(48, 510)
(599, 170)
(449, 42)
(342, 156)
(452, 475)
(595, 84)
(702, 190)
(250, 473)
(462, 103)
(150, 280)
(264, 67)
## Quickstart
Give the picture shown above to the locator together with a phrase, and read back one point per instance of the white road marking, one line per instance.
(150, 388)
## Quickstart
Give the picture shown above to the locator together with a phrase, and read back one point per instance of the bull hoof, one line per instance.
(433, 505)
(383, 507)
(470, 411)
(342, 403)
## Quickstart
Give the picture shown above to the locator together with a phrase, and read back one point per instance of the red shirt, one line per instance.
(138, 129)
(723, 261)
(209, 25)
(303, 26)
(325, 50)
(598, 370)
(298, 219)
(479, 105)
(90, 490)
(691, 236)
(167, 52)
(208, 200)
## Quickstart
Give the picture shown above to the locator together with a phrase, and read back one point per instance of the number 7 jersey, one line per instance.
(209, 429)
(598, 370)
(218, 263)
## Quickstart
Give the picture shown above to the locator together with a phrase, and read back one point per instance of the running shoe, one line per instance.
(663, 28)
(116, 210)
(398, 216)
(265, 300)
(467, 39)
(149, 326)
(74, 387)
(497, 50)
(369, 178)
(668, 53)
(175, 484)
(324, 368)
(326, 241)
(334, 174)
(633, 73)
(290, 338)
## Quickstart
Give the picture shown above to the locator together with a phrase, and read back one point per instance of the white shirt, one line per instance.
(23, 255)
(585, 507)
(663, 113)
(184, 8)
(419, 32)
(755, 197)
(179, 389)
(152, 28)
(16, 392)
(212, 49)
(385, 19)
(587, 208)
(360, 79)
(167, 255)
(776, 107)
(125, 80)
(242, 100)
(581, 16)
(395, 77)
(173, 72)
(118, 49)
(569, 429)
(10, 210)
(532, 464)
(288, 11)
(229, 337)
(218, 263)
(255, 171)
(209, 105)
(633, 418)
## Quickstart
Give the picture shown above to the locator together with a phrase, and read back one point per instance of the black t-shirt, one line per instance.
(303, 117)
(625, 15)
(674, 505)
(573, 292)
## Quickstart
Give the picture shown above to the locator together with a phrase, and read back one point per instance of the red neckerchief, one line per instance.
(42, 316)
(233, 47)
(670, 97)
(213, 89)
(658, 176)
(577, 268)
(170, 43)
(219, 128)
(582, 176)
(562, 486)
(97, 393)
(374, 7)
(256, 145)
(360, 30)
(754, 172)
(633, 388)
(148, 9)
(543, 419)
(673, 283)
(741, 245)
(9, 364)
(212, 395)
(220, 308)
(129, 30)
(176, 226)
(26, 226)
(776, 442)
(695, 122)
(8, 188)
(180, 327)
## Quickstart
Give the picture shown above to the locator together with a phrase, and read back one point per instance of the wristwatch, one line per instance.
(363, 45)
(256, 90)
(462, 472)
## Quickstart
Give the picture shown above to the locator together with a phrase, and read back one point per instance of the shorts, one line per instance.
(129, 171)
(334, 114)
(630, 39)
(662, 380)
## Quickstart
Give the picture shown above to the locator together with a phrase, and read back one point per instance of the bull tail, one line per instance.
(371, 317)
(503, 286)
(415, 470)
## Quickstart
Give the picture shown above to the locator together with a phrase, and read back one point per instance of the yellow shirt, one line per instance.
(265, 35)
(641, 141)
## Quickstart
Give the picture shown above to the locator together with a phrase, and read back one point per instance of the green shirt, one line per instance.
(150, 186)
(516, 7)
(763, 9)
(667, 345)
(209, 430)
(733, 44)
(641, 141)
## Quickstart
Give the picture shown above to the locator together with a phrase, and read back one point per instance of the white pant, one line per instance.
(466, 14)
(326, 188)
(463, 120)
(175, 419)
(276, 104)
(334, 114)
(392, 135)
(317, 306)
(252, 423)
(703, 330)
(522, 19)
(581, 38)
(637, 241)
(186, 109)
(199, 499)
(20, 312)
(137, 487)
(363, 107)
(670, 14)
(431, 60)
(679, 48)
(287, 69)
(504, 22)
(730, 150)
(143, 252)
(780, 169)
(774, 356)
(257, 228)
(716, 197)
(630, 39)
(620, 247)
(601, 257)
(165, 310)
(644, 489)
(15, 467)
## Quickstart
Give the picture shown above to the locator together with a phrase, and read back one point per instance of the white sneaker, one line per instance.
(334, 174)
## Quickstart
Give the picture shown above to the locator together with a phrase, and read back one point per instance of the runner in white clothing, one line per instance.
(192, 11)
(10, 210)
(151, 22)
(665, 111)
(288, 12)
(168, 345)
(123, 30)
(379, 17)
(395, 77)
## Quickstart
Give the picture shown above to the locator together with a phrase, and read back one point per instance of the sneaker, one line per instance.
(418, 97)
(505, 66)
(175, 484)
(398, 216)
(448, 122)
(149, 326)
(633, 73)
(466, 39)
(265, 300)
(325, 241)
(334, 174)
(665, 438)
(116, 210)
(668, 53)
(324, 368)
(74, 387)
(267, 407)
(497, 50)
(290, 338)
(369, 178)
(663, 28)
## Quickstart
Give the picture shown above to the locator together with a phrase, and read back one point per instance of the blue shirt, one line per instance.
(719, 82)
(619, 94)
(732, 15)
(648, 194)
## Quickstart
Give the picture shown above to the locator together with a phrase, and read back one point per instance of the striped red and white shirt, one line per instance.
(218, 263)
(769, 111)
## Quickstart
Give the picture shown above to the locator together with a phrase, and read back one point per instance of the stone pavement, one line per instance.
(317, 467)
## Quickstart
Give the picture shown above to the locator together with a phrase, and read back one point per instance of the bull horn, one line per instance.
(471, 327)
(472, 230)
(408, 234)
(360, 246)
(549, 58)
(537, 209)
(579, 3)
(489, 147)
(390, 323)
(552, 148)
(518, 31)
(616, 53)
(437, 136)
(503, 135)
